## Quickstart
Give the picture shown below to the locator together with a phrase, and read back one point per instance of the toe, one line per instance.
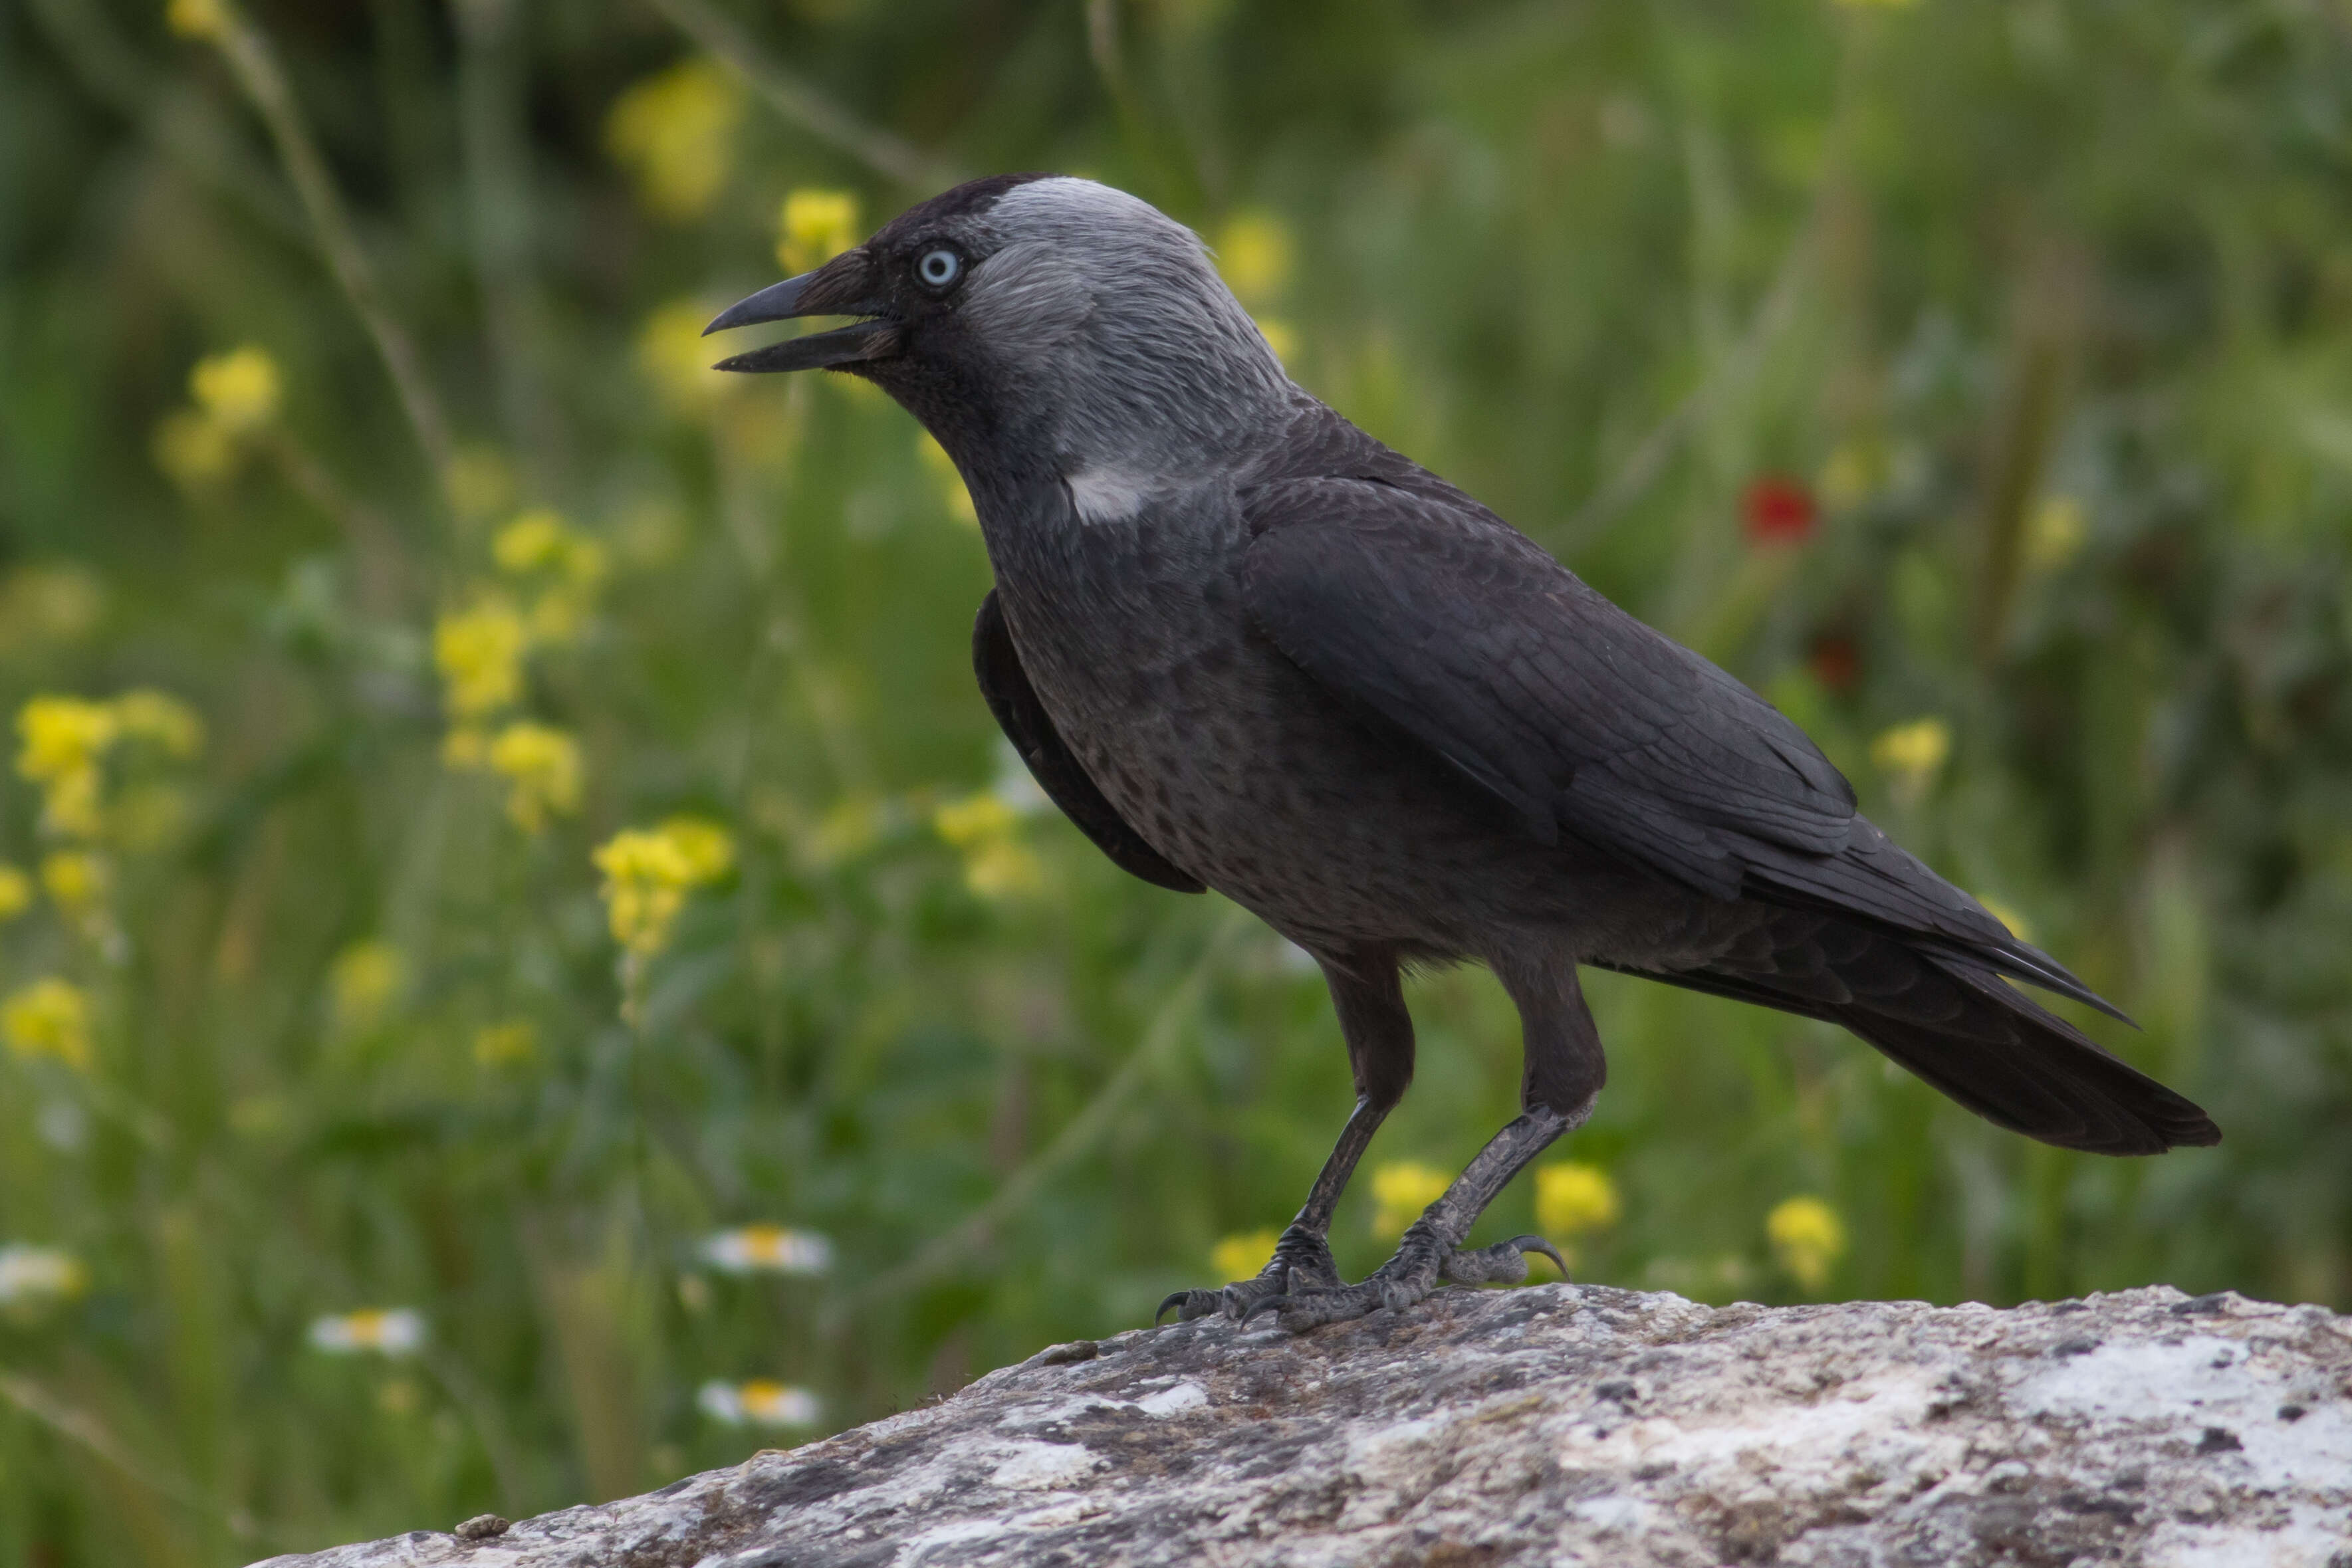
(1504, 1264)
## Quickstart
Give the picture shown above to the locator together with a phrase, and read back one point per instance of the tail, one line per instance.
(1949, 1017)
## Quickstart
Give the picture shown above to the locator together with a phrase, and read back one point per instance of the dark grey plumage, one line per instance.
(1244, 646)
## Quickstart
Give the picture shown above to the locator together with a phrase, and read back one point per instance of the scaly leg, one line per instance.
(1379, 1032)
(1563, 1075)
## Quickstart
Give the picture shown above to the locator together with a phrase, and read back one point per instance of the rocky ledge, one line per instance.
(1556, 1424)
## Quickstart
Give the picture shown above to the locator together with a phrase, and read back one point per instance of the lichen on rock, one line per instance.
(1558, 1425)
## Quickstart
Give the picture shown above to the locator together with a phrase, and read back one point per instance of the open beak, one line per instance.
(842, 286)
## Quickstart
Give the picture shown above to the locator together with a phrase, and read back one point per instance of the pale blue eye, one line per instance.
(938, 268)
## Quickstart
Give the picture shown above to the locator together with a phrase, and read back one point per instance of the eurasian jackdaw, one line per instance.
(1245, 646)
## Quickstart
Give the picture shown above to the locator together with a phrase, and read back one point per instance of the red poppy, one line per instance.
(1835, 662)
(1777, 510)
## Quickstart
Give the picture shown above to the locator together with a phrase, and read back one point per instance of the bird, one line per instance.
(1244, 646)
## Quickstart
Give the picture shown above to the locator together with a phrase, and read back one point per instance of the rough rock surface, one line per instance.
(1559, 1425)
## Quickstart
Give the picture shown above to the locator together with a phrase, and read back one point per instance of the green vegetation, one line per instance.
(523, 958)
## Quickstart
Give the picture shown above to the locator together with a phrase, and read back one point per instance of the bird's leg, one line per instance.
(1563, 1079)
(1379, 1032)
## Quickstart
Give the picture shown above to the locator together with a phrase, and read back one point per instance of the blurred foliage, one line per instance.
(1975, 379)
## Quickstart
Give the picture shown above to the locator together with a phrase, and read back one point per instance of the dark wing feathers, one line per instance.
(1407, 599)
(1947, 1017)
(1030, 728)
(1476, 643)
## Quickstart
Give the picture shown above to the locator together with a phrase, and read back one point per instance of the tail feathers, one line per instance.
(1949, 1018)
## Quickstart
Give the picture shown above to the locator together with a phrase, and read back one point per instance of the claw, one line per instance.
(1175, 1298)
(1264, 1304)
(1537, 1244)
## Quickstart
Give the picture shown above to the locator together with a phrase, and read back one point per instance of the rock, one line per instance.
(1559, 1425)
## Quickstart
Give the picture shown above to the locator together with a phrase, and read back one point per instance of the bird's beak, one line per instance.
(846, 285)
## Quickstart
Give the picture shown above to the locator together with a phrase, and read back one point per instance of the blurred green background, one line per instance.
(1975, 379)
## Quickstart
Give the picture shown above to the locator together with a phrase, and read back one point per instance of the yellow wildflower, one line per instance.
(1911, 754)
(161, 719)
(16, 891)
(1254, 252)
(1240, 1257)
(1402, 1189)
(648, 872)
(200, 19)
(708, 848)
(1280, 336)
(75, 881)
(35, 1276)
(193, 452)
(2008, 917)
(48, 1018)
(466, 746)
(362, 983)
(542, 765)
(479, 655)
(983, 827)
(675, 357)
(1808, 1239)
(951, 481)
(65, 740)
(507, 1044)
(532, 540)
(1572, 1197)
(814, 228)
(674, 132)
(238, 390)
(2054, 533)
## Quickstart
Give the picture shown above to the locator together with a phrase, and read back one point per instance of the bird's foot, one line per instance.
(1301, 1261)
(1421, 1263)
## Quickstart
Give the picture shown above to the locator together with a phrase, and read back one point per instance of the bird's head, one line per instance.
(1038, 319)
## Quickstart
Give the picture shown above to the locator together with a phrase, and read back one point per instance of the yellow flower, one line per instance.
(1808, 1239)
(48, 1018)
(75, 881)
(2017, 924)
(200, 19)
(814, 228)
(1402, 1189)
(707, 849)
(533, 541)
(1571, 1198)
(65, 740)
(1254, 252)
(759, 1401)
(648, 872)
(15, 892)
(479, 655)
(543, 768)
(161, 719)
(996, 864)
(193, 452)
(673, 355)
(674, 132)
(950, 482)
(1240, 1257)
(239, 389)
(37, 1276)
(362, 983)
(2054, 533)
(466, 746)
(1913, 754)
(1280, 336)
(508, 1044)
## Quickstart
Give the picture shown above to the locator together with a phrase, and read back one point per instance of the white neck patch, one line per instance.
(1109, 495)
